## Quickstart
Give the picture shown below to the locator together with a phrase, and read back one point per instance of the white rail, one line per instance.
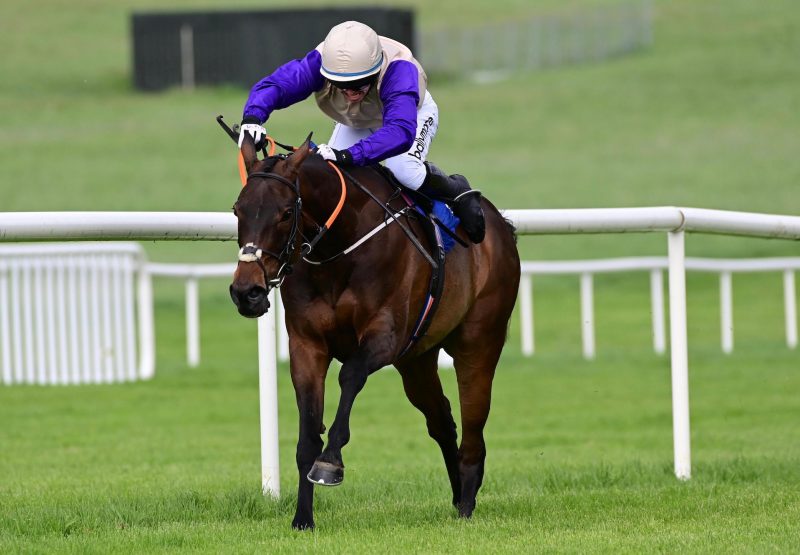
(655, 265)
(32, 226)
(88, 226)
(191, 273)
(217, 226)
(69, 314)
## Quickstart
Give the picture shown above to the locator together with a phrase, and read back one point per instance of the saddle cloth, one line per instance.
(425, 206)
(444, 215)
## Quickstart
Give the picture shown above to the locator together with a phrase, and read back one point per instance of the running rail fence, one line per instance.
(531, 43)
(39, 226)
(71, 313)
(586, 269)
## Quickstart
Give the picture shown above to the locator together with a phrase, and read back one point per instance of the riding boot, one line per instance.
(455, 191)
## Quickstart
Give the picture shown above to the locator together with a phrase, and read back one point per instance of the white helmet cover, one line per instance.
(351, 51)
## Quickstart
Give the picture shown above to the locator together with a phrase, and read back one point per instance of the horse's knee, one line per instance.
(472, 452)
(308, 449)
(354, 378)
(441, 426)
(442, 432)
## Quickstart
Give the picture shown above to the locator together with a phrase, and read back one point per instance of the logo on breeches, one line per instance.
(419, 142)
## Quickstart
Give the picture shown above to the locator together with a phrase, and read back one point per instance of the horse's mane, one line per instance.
(270, 161)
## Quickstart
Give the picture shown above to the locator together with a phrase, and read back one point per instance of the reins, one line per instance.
(406, 230)
(253, 253)
(335, 214)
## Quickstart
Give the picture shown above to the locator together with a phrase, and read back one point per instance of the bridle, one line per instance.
(253, 253)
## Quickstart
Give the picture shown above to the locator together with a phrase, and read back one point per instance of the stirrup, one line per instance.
(465, 193)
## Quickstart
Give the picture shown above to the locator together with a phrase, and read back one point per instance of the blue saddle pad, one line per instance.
(446, 216)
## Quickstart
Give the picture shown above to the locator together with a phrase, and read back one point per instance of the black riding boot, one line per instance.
(456, 192)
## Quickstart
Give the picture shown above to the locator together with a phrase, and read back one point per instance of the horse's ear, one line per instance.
(299, 155)
(249, 153)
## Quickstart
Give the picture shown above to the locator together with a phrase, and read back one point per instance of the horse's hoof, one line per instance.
(326, 474)
(465, 510)
(302, 524)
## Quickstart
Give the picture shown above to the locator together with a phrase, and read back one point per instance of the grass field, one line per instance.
(579, 453)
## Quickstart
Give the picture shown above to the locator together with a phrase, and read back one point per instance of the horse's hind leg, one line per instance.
(424, 390)
(475, 356)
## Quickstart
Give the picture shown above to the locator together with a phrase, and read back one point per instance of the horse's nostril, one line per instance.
(255, 294)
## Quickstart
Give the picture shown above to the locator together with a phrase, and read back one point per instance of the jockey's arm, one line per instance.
(400, 97)
(290, 83)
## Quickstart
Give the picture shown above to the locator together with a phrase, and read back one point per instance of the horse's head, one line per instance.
(268, 211)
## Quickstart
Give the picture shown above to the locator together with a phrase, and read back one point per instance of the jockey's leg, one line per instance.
(409, 167)
(456, 192)
(412, 170)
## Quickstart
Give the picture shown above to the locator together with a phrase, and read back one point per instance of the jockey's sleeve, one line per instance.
(399, 94)
(290, 83)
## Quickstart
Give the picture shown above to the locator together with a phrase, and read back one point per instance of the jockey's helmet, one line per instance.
(351, 52)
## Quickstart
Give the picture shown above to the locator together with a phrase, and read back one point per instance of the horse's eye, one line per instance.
(288, 214)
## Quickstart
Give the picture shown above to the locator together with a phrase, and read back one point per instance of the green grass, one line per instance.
(580, 453)
(579, 457)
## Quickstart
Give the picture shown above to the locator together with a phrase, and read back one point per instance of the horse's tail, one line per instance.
(511, 227)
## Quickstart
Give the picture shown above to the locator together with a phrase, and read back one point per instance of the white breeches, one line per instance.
(409, 167)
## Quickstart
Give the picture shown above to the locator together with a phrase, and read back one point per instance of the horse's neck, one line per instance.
(322, 192)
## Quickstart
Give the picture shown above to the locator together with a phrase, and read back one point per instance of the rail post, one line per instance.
(657, 310)
(679, 355)
(268, 404)
(192, 323)
(526, 314)
(587, 315)
(790, 308)
(726, 311)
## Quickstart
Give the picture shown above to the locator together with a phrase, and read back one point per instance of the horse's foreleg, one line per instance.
(308, 378)
(373, 353)
(424, 390)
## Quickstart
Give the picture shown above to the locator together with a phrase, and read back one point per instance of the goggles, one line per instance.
(363, 89)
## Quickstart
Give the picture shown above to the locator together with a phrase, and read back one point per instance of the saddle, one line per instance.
(435, 213)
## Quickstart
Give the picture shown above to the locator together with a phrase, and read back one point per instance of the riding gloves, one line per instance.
(251, 126)
(334, 155)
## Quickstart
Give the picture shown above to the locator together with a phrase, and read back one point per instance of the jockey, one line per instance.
(376, 91)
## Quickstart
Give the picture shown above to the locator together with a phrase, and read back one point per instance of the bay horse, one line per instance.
(361, 307)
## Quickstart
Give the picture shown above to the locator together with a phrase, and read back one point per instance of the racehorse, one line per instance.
(361, 305)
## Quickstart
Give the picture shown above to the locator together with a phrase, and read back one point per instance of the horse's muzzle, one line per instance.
(252, 301)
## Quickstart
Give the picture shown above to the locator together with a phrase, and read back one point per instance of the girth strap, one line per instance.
(435, 287)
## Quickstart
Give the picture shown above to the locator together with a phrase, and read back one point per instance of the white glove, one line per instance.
(326, 152)
(254, 130)
(334, 155)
